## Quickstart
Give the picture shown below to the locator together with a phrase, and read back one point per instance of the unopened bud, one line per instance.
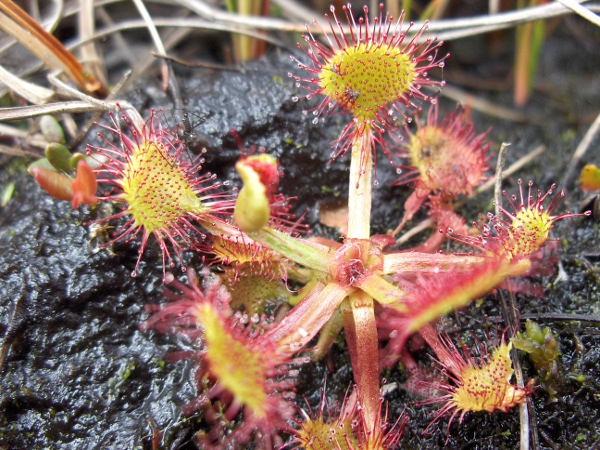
(259, 174)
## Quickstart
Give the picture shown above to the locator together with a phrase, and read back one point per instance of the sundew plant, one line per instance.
(270, 298)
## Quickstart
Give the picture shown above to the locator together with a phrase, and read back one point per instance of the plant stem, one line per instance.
(359, 195)
(359, 322)
(301, 251)
(361, 335)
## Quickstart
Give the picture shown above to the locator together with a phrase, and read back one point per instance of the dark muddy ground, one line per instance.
(79, 373)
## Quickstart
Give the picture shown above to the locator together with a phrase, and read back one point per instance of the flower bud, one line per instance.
(589, 178)
(259, 174)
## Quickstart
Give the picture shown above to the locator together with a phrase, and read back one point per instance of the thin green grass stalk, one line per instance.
(529, 41)
(406, 6)
(434, 10)
(538, 37)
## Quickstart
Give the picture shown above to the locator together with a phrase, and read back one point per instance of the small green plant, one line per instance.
(65, 176)
(542, 347)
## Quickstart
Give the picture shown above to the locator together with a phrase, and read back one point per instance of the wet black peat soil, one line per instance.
(79, 374)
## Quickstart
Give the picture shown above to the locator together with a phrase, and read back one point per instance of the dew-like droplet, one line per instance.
(295, 346)
(315, 121)
(302, 332)
(169, 278)
(295, 98)
(398, 170)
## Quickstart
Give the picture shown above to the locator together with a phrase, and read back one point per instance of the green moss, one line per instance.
(159, 363)
(542, 347)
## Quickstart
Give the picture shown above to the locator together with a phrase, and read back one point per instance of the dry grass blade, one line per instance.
(486, 106)
(18, 24)
(425, 225)
(89, 53)
(12, 151)
(155, 38)
(29, 91)
(26, 112)
(514, 167)
(24, 137)
(498, 178)
(582, 11)
(463, 26)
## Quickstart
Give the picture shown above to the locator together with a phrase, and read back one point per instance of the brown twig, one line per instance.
(509, 311)
(46, 47)
(563, 317)
(514, 167)
(198, 64)
(498, 177)
(112, 96)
